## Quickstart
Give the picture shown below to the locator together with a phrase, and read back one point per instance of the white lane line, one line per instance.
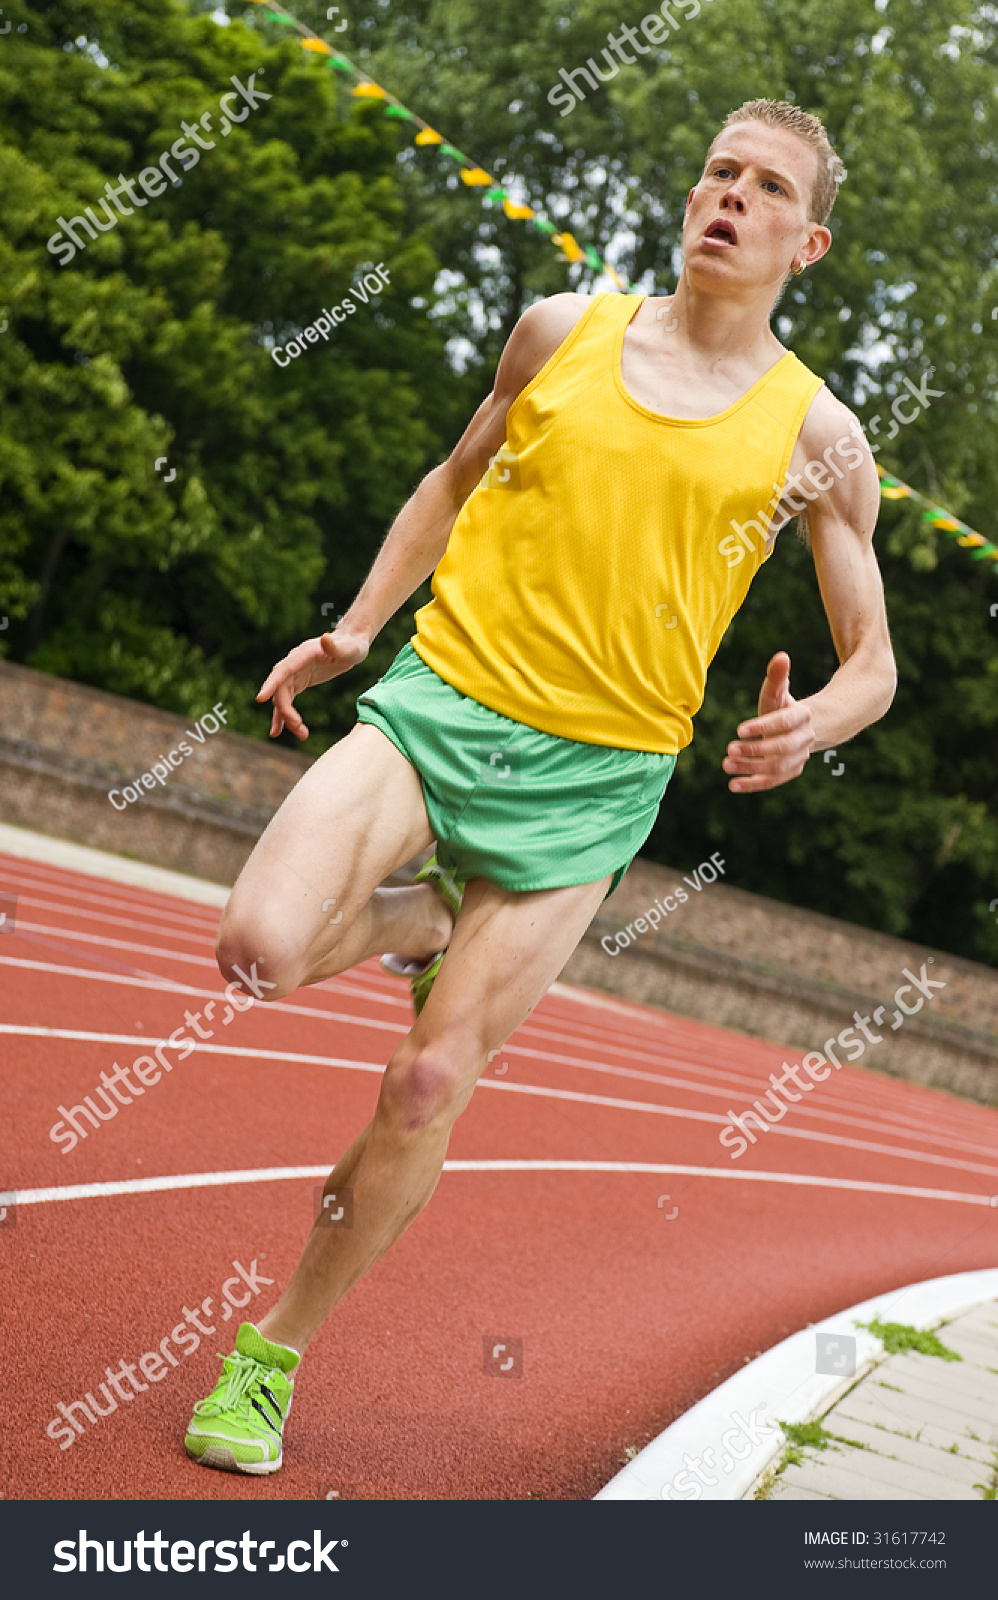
(542, 1091)
(212, 1180)
(206, 936)
(709, 1116)
(102, 939)
(69, 935)
(822, 1113)
(839, 1140)
(747, 1084)
(165, 986)
(154, 910)
(58, 856)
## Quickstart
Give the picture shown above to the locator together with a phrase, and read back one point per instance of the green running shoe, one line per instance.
(240, 1426)
(422, 974)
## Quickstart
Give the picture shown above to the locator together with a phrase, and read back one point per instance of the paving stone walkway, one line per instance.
(917, 1427)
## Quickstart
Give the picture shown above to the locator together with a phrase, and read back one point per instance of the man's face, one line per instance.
(747, 218)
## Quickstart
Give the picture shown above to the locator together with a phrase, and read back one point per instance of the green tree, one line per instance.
(154, 342)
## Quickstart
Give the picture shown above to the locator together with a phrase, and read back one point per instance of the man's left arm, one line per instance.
(773, 747)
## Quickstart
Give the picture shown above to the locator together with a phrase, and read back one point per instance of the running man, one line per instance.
(643, 454)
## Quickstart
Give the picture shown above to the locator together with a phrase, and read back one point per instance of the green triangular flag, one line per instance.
(400, 112)
(496, 194)
(593, 258)
(448, 150)
(340, 63)
(544, 225)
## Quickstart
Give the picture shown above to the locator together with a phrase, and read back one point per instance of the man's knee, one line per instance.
(433, 1085)
(258, 959)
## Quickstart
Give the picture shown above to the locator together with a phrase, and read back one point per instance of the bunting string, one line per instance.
(472, 174)
(937, 517)
(475, 176)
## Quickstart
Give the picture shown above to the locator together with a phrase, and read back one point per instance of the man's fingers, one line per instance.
(783, 721)
(762, 781)
(753, 751)
(274, 679)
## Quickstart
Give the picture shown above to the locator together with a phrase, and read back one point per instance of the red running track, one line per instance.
(567, 1219)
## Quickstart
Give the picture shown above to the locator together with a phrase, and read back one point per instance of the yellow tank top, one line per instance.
(590, 576)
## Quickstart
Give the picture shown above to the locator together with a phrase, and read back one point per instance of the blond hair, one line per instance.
(781, 114)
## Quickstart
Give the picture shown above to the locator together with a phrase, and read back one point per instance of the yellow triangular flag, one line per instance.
(319, 45)
(519, 213)
(371, 91)
(429, 137)
(474, 175)
(569, 246)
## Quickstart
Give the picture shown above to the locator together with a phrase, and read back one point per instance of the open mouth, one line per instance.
(722, 232)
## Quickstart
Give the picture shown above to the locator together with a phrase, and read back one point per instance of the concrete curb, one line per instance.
(779, 1386)
(51, 852)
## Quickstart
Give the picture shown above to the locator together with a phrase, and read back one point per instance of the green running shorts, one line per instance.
(525, 809)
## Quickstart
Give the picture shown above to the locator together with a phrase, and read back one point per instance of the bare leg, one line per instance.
(506, 951)
(306, 904)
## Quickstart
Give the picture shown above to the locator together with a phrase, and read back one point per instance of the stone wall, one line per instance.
(64, 746)
(794, 977)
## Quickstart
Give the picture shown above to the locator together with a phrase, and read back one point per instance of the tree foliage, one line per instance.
(153, 342)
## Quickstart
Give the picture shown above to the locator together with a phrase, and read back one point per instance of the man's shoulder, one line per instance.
(551, 320)
(826, 421)
(541, 330)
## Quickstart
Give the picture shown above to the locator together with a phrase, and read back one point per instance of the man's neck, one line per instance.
(718, 328)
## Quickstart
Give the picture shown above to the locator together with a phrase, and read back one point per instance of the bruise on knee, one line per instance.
(429, 1086)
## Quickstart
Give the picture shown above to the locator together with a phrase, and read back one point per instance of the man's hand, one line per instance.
(775, 745)
(314, 661)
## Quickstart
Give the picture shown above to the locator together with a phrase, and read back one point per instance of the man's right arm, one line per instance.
(418, 537)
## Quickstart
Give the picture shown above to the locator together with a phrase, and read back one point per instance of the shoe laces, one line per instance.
(240, 1374)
